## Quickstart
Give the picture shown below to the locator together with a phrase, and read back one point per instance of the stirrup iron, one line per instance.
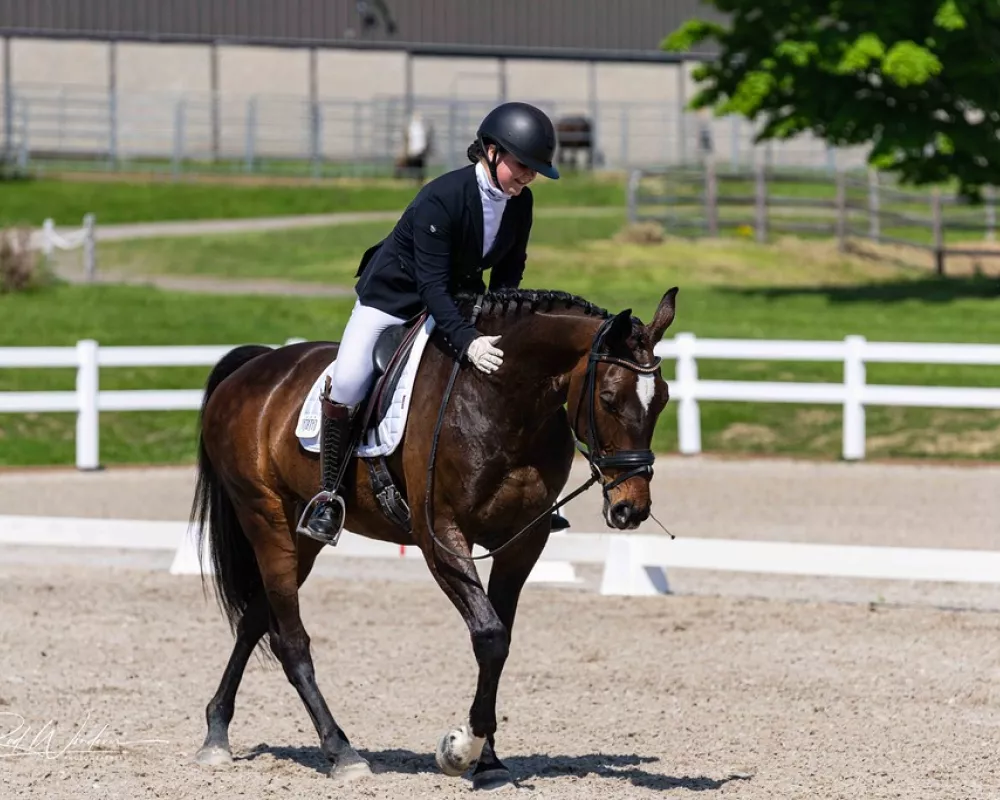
(332, 499)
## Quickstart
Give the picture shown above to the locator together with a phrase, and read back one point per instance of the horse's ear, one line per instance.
(663, 317)
(620, 328)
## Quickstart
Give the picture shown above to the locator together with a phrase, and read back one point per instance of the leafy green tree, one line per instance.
(918, 80)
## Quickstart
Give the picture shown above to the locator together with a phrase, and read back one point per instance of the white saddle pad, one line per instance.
(384, 439)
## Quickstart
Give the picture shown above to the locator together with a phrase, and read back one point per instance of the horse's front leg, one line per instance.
(508, 576)
(489, 619)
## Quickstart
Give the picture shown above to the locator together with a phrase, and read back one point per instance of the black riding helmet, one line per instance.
(523, 131)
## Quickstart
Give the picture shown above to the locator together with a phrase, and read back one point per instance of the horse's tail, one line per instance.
(237, 577)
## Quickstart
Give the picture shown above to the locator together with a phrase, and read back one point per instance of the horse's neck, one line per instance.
(548, 345)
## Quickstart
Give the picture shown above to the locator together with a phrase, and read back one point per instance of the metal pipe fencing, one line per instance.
(195, 132)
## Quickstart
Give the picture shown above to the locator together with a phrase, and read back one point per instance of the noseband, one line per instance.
(636, 462)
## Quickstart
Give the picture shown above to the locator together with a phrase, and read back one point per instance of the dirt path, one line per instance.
(215, 285)
(211, 227)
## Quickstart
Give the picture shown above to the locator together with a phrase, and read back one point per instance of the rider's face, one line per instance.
(513, 175)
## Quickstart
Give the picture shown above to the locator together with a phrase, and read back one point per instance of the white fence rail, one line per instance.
(687, 390)
(633, 564)
(853, 394)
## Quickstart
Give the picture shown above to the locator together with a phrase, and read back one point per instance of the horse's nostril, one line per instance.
(620, 513)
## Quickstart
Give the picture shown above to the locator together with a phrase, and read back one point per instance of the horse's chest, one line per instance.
(523, 488)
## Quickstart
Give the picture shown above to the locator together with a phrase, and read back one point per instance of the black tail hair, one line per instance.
(237, 577)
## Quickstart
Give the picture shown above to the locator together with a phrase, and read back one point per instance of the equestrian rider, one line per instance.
(466, 221)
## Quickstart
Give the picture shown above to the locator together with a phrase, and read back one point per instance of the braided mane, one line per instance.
(530, 301)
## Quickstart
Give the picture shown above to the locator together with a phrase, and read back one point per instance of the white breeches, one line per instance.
(353, 370)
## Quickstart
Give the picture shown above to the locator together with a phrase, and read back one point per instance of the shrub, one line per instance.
(641, 233)
(19, 264)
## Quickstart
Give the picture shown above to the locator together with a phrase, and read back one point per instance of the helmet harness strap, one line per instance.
(491, 162)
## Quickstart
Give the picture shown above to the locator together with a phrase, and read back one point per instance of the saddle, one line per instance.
(389, 357)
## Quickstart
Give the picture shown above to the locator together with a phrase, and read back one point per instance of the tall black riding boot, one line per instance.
(327, 518)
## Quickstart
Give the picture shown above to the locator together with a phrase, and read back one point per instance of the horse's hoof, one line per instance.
(350, 767)
(214, 756)
(457, 750)
(491, 779)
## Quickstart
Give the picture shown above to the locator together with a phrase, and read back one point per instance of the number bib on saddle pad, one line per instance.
(383, 438)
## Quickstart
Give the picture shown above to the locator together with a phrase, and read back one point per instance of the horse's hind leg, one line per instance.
(274, 546)
(215, 751)
(252, 626)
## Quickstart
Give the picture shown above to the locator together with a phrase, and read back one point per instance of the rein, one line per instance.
(640, 461)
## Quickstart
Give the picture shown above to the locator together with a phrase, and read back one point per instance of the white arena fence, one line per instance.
(633, 564)
(853, 394)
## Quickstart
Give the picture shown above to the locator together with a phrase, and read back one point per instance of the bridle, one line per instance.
(640, 461)
(637, 462)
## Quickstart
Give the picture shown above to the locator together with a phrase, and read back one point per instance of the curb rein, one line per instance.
(639, 461)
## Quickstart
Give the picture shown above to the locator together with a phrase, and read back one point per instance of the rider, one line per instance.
(465, 221)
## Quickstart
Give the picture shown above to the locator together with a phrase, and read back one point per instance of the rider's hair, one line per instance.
(476, 152)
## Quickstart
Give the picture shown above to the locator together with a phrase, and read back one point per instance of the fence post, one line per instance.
(250, 136)
(936, 228)
(315, 138)
(48, 238)
(685, 385)
(873, 219)
(24, 148)
(89, 248)
(452, 135)
(711, 198)
(854, 389)
(87, 418)
(841, 211)
(633, 195)
(991, 213)
(179, 113)
(760, 204)
(8, 97)
(623, 125)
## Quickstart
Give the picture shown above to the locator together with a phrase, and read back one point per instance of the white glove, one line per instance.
(483, 355)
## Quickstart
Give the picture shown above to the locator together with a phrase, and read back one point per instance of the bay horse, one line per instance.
(482, 461)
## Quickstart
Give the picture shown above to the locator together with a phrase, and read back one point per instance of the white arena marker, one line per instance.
(186, 558)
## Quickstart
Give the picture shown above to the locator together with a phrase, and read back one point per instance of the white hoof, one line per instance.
(214, 757)
(351, 769)
(457, 750)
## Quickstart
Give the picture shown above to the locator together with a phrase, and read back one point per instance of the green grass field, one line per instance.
(791, 289)
(122, 201)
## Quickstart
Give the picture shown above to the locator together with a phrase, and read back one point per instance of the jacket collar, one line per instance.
(475, 203)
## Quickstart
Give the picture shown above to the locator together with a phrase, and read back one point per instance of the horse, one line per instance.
(482, 461)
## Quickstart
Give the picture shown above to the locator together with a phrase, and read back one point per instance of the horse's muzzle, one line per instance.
(624, 515)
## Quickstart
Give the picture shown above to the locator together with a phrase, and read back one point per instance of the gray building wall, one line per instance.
(219, 78)
(623, 27)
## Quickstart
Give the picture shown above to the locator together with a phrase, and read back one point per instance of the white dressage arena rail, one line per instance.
(634, 564)
(686, 388)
